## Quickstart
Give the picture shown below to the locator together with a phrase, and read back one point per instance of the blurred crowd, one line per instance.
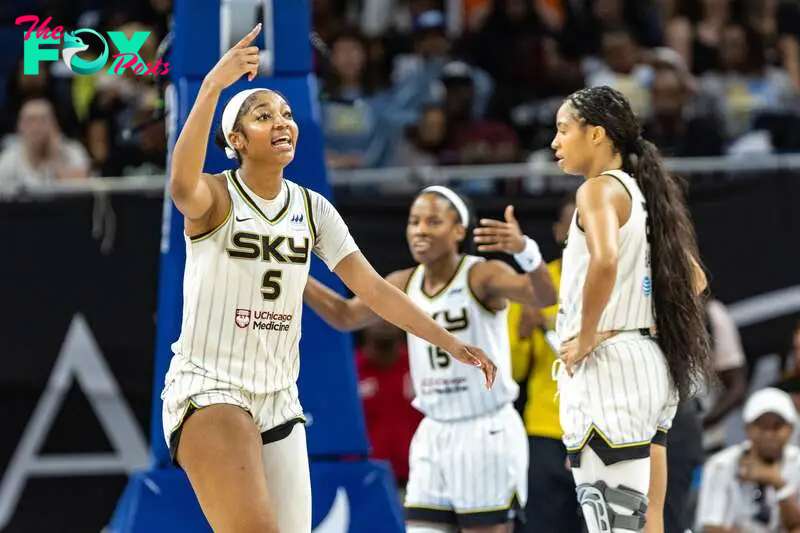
(56, 125)
(436, 82)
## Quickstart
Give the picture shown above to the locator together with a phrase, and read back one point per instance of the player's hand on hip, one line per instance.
(573, 352)
(472, 355)
(500, 236)
(241, 59)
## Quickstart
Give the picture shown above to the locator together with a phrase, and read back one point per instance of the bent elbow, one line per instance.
(605, 263)
(550, 297)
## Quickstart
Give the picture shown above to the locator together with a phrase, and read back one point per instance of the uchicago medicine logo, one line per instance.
(73, 44)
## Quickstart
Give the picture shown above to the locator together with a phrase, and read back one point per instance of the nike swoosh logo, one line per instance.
(495, 432)
(243, 219)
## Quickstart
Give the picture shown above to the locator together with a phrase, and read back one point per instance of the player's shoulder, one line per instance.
(401, 278)
(480, 267)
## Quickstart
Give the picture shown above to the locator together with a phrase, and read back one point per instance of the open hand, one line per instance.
(241, 59)
(500, 236)
(472, 355)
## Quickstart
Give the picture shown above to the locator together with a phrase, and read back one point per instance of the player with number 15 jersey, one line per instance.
(469, 457)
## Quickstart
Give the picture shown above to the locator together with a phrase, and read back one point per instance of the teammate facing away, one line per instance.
(630, 313)
(231, 413)
(469, 456)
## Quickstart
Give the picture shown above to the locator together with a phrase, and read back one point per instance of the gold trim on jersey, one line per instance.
(210, 233)
(249, 201)
(312, 227)
(446, 285)
(593, 430)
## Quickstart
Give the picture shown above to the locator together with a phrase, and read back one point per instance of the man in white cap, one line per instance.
(752, 487)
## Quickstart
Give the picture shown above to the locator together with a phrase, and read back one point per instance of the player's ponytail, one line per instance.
(678, 310)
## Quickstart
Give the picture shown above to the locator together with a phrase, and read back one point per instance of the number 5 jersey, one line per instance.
(243, 286)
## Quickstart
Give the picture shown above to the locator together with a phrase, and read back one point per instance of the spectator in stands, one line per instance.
(385, 387)
(778, 22)
(424, 141)
(417, 76)
(697, 34)
(551, 507)
(752, 486)
(472, 141)
(142, 149)
(115, 102)
(587, 20)
(621, 68)
(511, 25)
(677, 123)
(744, 83)
(42, 153)
(730, 365)
(21, 87)
(357, 134)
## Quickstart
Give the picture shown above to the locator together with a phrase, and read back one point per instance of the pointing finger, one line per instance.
(510, 214)
(247, 39)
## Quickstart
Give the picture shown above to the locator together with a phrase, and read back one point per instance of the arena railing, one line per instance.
(537, 175)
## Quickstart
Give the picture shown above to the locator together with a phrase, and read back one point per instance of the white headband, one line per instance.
(457, 202)
(229, 115)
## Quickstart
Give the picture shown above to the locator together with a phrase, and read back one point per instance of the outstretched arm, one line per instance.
(497, 279)
(345, 314)
(391, 304)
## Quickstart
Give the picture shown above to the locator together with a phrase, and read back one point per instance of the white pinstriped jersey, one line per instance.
(630, 306)
(244, 283)
(447, 389)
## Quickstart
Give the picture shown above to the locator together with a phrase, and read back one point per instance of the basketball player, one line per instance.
(231, 413)
(469, 457)
(630, 316)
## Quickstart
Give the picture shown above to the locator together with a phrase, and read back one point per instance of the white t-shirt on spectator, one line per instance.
(17, 173)
(726, 501)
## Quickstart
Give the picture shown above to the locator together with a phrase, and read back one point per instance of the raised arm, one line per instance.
(195, 193)
(345, 314)
(496, 279)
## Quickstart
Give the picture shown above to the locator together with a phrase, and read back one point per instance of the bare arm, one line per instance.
(391, 304)
(345, 314)
(193, 191)
(601, 224)
(734, 382)
(496, 280)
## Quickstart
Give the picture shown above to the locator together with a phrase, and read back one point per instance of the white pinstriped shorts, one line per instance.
(469, 473)
(619, 400)
(187, 391)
